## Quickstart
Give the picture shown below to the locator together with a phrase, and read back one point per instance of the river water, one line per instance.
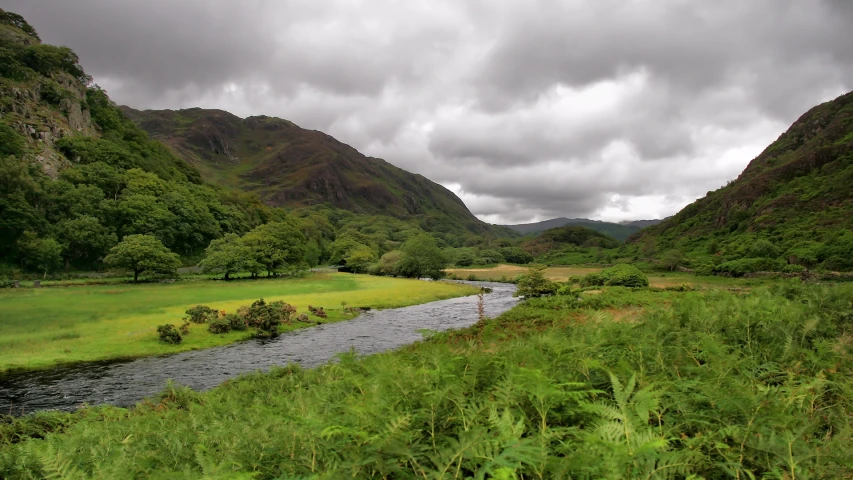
(124, 383)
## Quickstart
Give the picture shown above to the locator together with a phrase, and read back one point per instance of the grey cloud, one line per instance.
(535, 109)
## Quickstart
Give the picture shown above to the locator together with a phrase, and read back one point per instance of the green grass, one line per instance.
(44, 327)
(710, 384)
(561, 274)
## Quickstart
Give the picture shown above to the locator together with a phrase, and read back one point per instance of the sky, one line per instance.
(527, 109)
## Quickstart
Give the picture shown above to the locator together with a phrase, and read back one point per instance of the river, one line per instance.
(126, 382)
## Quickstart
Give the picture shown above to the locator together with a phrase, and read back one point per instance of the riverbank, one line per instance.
(41, 328)
(617, 383)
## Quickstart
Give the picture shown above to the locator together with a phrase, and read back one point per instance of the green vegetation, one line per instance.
(99, 178)
(141, 253)
(618, 231)
(622, 384)
(622, 275)
(791, 206)
(47, 326)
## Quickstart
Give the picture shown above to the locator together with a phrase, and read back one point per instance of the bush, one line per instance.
(593, 280)
(219, 325)
(303, 317)
(236, 322)
(704, 270)
(793, 268)
(318, 311)
(169, 334)
(201, 314)
(622, 275)
(465, 259)
(266, 317)
(534, 284)
(739, 268)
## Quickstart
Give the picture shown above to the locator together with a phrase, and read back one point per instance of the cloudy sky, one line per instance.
(528, 109)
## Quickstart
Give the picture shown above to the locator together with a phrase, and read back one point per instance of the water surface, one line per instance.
(126, 382)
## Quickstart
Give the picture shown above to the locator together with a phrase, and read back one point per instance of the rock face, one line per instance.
(43, 108)
(290, 166)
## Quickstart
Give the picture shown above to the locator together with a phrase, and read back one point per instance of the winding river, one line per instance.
(126, 382)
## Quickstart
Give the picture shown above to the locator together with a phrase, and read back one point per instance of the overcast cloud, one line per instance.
(608, 109)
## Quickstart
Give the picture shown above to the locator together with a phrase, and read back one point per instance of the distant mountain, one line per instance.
(795, 200)
(555, 239)
(290, 166)
(619, 231)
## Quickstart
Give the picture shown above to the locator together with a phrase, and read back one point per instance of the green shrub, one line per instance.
(219, 325)
(593, 280)
(704, 270)
(236, 322)
(169, 334)
(534, 284)
(201, 314)
(793, 268)
(11, 142)
(622, 275)
(266, 317)
(739, 268)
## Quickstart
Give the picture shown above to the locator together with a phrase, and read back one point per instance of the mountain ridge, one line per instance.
(287, 165)
(619, 231)
(796, 196)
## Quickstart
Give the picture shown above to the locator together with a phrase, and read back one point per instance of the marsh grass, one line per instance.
(44, 327)
(710, 384)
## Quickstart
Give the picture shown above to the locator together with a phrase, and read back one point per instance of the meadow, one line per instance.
(619, 383)
(506, 272)
(44, 327)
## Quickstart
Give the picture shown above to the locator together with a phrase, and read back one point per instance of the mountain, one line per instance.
(287, 165)
(615, 230)
(794, 202)
(555, 240)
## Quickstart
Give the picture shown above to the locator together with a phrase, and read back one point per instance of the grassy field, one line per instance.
(625, 383)
(44, 327)
(561, 274)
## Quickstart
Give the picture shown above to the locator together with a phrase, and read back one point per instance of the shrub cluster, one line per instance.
(318, 311)
(622, 275)
(201, 314)
(169, 334)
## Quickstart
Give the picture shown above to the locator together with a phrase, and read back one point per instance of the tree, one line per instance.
(84, 238)
(44, 254)
(142, 253)
(359, 258)
(534, 284)
(465, 259)
(516, 255)
(422, 258)
(228, 255)
(388, 263)
(276, 245)
(672, 259)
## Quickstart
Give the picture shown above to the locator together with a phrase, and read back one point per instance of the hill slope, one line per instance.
(796, 196)
(76, 175)
(619, 231)
(290, 166)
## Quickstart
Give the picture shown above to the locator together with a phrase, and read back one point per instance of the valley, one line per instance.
(190, 293)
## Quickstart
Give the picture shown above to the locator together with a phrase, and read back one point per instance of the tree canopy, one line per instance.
(141, 253)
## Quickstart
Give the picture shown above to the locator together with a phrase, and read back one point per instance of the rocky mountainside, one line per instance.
(290, 166)
(40, 103)
(619, 231)
(796, 197)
